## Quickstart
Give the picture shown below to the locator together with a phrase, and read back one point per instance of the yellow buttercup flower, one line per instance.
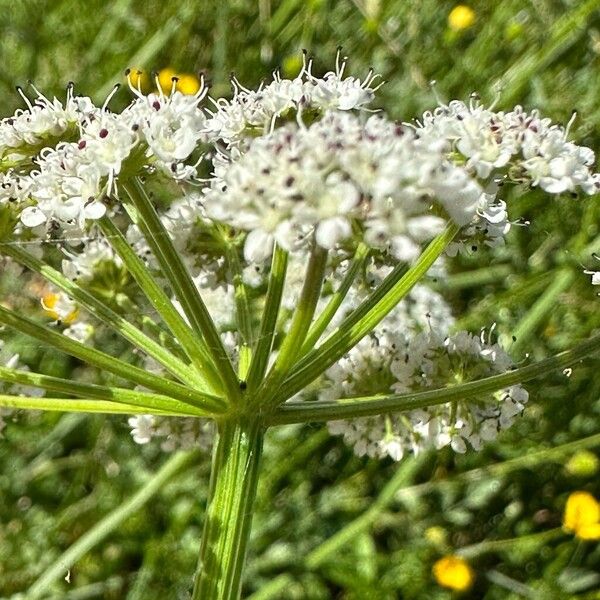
(59, 308)
(454, 573)
(461, 17)
(165, 79)
(582, 516)
(188, 84)
(185, 83)
(139, 79)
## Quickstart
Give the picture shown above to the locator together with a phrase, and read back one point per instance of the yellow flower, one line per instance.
(582, 516)
(59, 308)
(461, 17)
(185, 82)
(188, 84)
(454, 573)
(165, 79)
(138, 78)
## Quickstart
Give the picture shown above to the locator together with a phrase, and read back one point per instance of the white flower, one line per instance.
(142, 428)
(516, 142)
(258, 246)
(32, 216)
(385, 362)
(251, 111)
(81, 265)
(42, 122)
(333, 175)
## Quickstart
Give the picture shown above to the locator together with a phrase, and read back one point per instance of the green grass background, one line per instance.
(330, 525)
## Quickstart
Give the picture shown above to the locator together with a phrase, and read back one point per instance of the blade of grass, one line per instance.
(57, 569)
(152, 47)
(542, 307)
(564, 32)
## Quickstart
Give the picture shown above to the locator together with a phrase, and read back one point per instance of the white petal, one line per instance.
(94, 210)
(458, 444)
(330, 231)
(32, 216)
(258, 246)
(426, 227)
(403, 248)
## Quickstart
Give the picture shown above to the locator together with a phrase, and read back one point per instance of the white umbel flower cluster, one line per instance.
(71, 180)
(335, 176)
(305, 164)
(390, 363)
(251, 112)
(41, 123)
(534, 149)
(298, 161)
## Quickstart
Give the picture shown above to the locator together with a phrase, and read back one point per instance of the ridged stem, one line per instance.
(234, 479)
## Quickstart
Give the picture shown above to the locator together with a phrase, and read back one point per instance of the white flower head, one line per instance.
(427, 361)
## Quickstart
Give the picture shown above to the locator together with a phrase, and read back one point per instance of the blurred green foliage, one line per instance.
(329, 525)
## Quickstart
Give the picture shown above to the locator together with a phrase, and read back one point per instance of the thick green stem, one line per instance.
(234, 479)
